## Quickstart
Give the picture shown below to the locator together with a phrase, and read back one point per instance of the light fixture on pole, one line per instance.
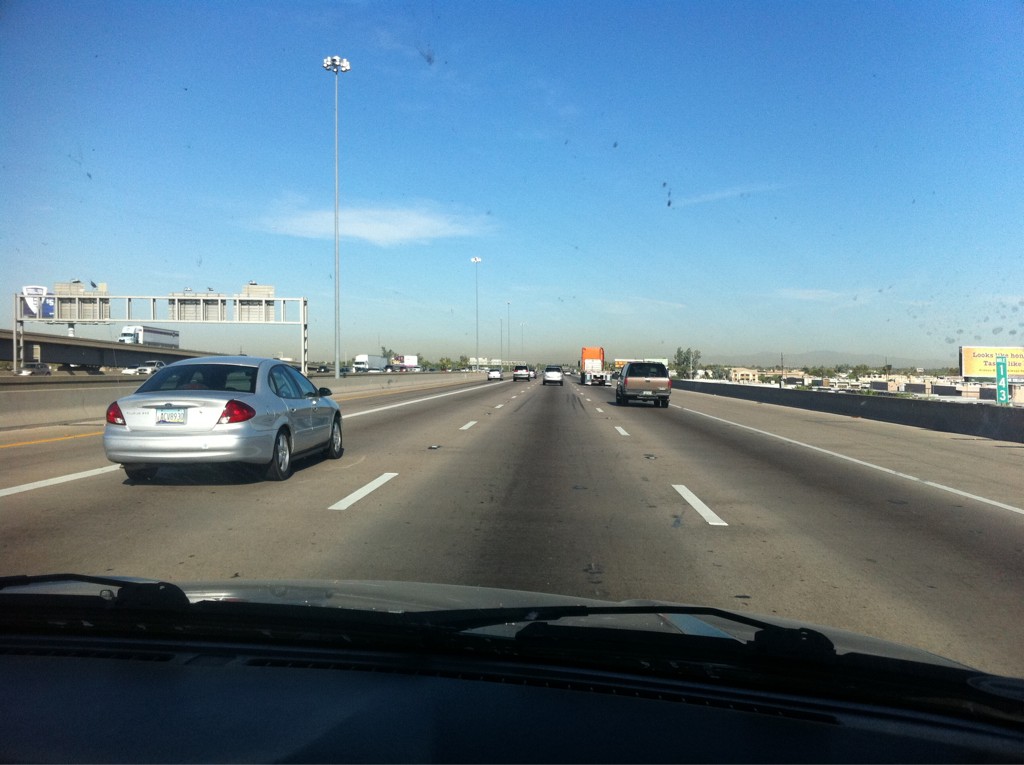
(476, 272)
(336, 64)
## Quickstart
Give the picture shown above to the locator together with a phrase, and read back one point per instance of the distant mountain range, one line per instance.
(829, 359)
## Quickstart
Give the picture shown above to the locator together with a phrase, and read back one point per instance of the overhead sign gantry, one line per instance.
(71, 303)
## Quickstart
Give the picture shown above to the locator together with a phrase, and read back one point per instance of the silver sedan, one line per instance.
(222, 409)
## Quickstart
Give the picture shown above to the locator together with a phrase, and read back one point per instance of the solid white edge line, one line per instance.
(622, 431)
(694, 501)
(468, 425)
(358, 494)
(862, 463)
(57, 480)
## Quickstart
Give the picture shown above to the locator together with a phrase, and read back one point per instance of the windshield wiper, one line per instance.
(159, 596)
(164, 596)
(770, 638)
(169, 604)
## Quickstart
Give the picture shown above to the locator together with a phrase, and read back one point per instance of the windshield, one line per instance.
(807, 215)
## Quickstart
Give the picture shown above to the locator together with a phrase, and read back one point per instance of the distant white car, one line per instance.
(145, 368)
(494, 374)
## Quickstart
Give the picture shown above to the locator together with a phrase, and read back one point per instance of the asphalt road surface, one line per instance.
(896, 532)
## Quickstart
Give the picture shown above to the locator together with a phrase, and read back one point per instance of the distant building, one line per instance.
(744, 375)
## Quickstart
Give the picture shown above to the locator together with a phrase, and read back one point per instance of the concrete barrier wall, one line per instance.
(1003, 423)
(28, 402)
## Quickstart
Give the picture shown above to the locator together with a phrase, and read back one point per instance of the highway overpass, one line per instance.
(59, 349)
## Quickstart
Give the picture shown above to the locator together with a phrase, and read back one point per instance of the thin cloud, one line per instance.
(382, 226)
(860, 298)
(815, 296)
(730, 193)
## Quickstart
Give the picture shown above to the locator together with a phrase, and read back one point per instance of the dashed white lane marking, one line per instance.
(468, 425)
(59, 479)
(358, 494)
(862, 463)
(706, 512)
(622, 431)
(599, 409)
(499, 406)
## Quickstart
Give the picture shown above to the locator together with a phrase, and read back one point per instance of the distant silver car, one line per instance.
(494, 373)
(521, 372)
(34, 368)
(222, 409)
(553, 375)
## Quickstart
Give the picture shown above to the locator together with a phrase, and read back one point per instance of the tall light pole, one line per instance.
(336, 64)
(508, 316)
(476, 272)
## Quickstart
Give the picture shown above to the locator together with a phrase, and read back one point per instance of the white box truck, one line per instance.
(139, 334)
(366, 362)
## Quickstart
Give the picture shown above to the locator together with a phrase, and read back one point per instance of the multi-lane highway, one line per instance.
(906, 534)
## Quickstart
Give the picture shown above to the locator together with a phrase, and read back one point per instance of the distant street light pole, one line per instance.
(476, 273)
(508, 315)
(336, 64)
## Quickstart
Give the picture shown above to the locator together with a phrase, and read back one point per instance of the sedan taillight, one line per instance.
(114, 415)
(236, 411)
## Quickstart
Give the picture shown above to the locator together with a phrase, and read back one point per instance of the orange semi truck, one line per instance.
(592, 366)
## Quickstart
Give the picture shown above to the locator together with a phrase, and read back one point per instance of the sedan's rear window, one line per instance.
(223, 377)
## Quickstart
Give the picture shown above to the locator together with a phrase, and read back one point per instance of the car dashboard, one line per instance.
(113, 699)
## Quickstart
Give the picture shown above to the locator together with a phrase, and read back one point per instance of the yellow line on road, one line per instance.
(51, 440)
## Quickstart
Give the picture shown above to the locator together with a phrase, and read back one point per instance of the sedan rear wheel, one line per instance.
(280, 466)
(334, 448)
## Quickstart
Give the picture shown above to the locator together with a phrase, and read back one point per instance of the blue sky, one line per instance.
(739, 177)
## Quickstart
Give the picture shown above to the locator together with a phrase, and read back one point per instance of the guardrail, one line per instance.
(1003, 423)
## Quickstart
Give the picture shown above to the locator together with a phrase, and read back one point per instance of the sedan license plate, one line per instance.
(170, 416)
